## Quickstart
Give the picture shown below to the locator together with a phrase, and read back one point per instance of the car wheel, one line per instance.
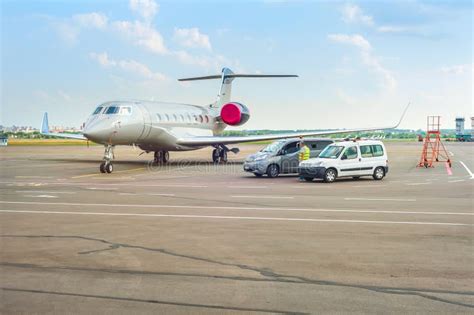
(379, 173)
(330, 175)
(273, 171)
(308, 179)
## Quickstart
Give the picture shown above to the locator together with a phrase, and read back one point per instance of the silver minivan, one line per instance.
(281, 157)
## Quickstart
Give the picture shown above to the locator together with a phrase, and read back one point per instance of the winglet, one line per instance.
(45, 124)
(403, 115)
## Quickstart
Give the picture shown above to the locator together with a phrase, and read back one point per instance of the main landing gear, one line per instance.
(219, 154)
(106, 166)
(161, 157)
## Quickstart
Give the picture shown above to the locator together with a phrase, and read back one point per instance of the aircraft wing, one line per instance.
(202, 141)
(45, 131)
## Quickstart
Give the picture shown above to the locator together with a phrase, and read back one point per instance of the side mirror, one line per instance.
(344, 157)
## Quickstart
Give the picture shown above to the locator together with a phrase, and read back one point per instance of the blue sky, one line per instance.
(359, 62)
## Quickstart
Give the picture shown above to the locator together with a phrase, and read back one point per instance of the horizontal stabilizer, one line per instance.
(228, 74)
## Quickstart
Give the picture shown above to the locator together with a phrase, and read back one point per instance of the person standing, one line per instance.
(303, 154)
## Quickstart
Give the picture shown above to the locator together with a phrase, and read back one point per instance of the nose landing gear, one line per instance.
(106, 166)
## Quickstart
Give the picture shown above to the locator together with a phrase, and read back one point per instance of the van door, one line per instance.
(367, 160)
(371, 157)
(349, 162)
(289, 158)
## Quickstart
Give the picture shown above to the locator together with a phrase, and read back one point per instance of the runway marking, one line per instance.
(451, 153)
(379, 199)
(368, 185)
(220, 217)
(98, 174)
(45, 192)
(263, 197)
(127, 194)
(157, 206)
(164, 195)
(467, 169)
(34, 177)
(41, 196)
(416, 184)
(456, 181)
(248, 187)
(102, 188)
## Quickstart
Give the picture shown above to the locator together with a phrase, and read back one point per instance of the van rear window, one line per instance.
(371, 150)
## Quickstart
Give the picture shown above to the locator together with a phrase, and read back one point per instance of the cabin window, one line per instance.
(206, 119)
(167, 117)
(189, 118)
(112, 110)
(158, 117)
(175, 118)
(98, 110)
(181, 118)
(201, 119)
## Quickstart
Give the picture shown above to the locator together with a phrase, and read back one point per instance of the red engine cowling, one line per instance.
(235, 114)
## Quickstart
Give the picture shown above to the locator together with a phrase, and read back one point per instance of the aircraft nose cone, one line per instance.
(94, 132)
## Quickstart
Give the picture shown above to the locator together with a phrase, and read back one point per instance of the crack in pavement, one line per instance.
(208, 306)
(267, 273)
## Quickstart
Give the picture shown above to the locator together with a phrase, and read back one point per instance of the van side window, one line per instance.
(291, 148)
(366, 151)
(351, 153)
(377, 150)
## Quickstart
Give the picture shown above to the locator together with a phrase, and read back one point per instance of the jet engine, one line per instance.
(234, 114)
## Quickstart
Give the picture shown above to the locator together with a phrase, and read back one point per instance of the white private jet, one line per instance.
(161, 127)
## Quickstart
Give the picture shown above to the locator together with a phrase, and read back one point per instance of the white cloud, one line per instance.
(131, 66)
(352, 13)
(458, 69)
(356, 40)
(191, 37)
(103, 59)
(147, 9)
(142, 34)
(91, 20)
(368, 58)
(392, 29)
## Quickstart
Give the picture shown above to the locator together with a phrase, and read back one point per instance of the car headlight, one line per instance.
(260, 158)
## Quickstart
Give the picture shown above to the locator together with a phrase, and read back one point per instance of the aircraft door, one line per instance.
(147, 123)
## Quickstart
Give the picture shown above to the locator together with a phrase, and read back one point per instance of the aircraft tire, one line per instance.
(165, 156)
(109, 168)
(102, 167)
(223, 157)
(215, 156)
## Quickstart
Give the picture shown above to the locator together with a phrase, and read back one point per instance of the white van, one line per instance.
(347, 159)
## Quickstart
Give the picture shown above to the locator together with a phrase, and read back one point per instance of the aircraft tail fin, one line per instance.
(227, 76)
(45, 124)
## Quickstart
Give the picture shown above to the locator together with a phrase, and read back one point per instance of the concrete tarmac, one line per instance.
(192, 237)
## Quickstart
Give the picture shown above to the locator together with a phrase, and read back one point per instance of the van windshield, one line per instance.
(273, 147)
(331, 152)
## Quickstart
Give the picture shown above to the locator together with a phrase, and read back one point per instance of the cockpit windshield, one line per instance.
(273, 147)
(97, 110)
(121, 110)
